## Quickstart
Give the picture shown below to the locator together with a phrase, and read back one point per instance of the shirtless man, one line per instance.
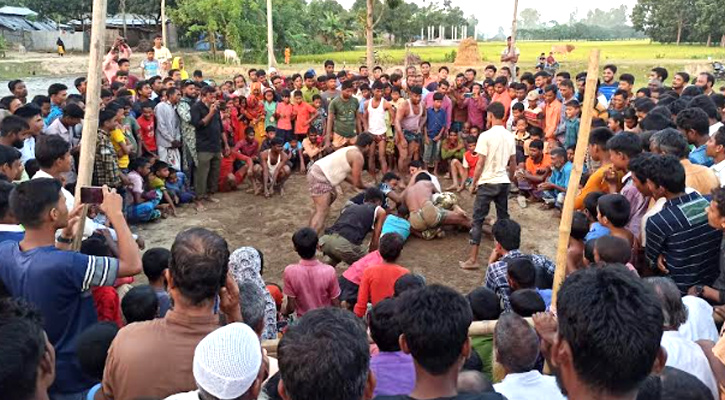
(374, 122)
(425, 215)
(272, 171)
(345, 164)
(409, 123)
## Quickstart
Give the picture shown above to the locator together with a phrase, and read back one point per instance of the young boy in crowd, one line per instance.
(523, 139)
(612, 249)
(105, 298)
(319, 122)
(303, 113)
(234, 168)
(377, 281)
(309, 284)
(155, 261)
(436, 129)
(157, 181)
(614, 215)
(521, 274)
(393, 368)
(147, 129)
(591, 210)
(178, 186)
(517, 113)
(623, 148)
(577, 243)
(554, 189)
(311, 147)
(527, 302)
(485, 306)
(271, 133)
(140, 304)
(92, 349)
(144, 203)
(462, 172)
(536, 170)
(294, 151)
(599, 154)
(572, 121)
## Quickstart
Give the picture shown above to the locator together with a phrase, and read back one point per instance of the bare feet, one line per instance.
(199, 207)
(212, 199)
(469, 265)
(141, 243)
(452, 188)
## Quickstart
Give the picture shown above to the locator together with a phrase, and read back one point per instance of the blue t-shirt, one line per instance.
(608, 90)
(699, 156)
(164, 302)
(395, 224)
(13, 236)
(560, 177)
(435, 122)
(58, 284)
(596, 231)
(546, 296)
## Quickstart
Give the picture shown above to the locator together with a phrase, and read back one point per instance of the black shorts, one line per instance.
(348, 290)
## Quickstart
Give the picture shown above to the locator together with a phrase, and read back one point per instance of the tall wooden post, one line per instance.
(576, 172)
(122, 6)
(271, 60)
(93, 105)
(163, 22)
(513, 38)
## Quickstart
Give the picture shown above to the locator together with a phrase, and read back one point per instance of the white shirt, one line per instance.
(193, 395)
(497, 145)
(529, 385)
(719, 170)
(700, 324)
(28, 150)
(656, 207)
(715, 127)
(684, 354)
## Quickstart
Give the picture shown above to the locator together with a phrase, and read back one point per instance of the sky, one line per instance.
(558, 10)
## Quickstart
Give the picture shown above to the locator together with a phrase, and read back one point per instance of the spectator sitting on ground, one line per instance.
(527, 302)
(394, 370)
(485, 306)
(378, 282)
(408, 282)
(521, 274)
(140, 304)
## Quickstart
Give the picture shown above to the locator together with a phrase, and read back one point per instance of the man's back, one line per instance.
(57, 283)
(312, 284)
(377, 283)
(154, 358)
(355, 222)
(497, 145)
(529, 385)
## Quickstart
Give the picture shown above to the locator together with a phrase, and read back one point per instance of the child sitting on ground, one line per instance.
(177, 184)
(140, 304)
(155, 261)
(234, 168)
(144, 202)
(452, 149)
(157, 181)
(554, 189)
(462, 172)
(105, 298)
(294, 149)
(527, 302)
(312, 149)
(521, 274)
(523, 139)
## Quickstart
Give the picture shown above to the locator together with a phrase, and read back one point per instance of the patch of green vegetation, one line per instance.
(15, 70)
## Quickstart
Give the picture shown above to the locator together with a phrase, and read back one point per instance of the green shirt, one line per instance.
(483, 345)
(345, 116)
(307, 94)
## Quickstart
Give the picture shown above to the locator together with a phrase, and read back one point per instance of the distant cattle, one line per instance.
(562, 49)
(231, 56)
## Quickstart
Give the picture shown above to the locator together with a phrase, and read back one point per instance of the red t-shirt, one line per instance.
(284, 121)
(302, 121)
(108, 306)
(148, 131)
(469, 161)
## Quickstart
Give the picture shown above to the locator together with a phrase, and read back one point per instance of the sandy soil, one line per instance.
(268, 224)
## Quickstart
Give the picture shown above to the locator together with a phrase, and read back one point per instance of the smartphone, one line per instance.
(468, 95)
(92, 195)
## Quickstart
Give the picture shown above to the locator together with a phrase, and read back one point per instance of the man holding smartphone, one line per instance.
(209, 141)
(42, 271)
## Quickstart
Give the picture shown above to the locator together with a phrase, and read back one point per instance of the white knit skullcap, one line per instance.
(227, 361)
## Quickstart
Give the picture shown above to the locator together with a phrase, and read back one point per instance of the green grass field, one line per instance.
(632, 56)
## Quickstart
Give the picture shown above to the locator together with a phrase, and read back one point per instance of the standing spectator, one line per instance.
(596, 347)
(31, 114)
(680, 242)
(671, 141)
(510, 55)
(496, 149)
(57, 93)
(196, 276)
(692, 122)
(623, 148)
(446, 103)
(119, 51)
(246, 265)
(598, 153)
(168, 129)
(18, 89)
(342, 119)
(150, 66)
(434, 322)
(716, 151)
(517, 350)
(207, 121)
(105, 169)
(188, 132)
(40, 270)
(552, 112)
(147, 129)
(161, 53)
(309, 284)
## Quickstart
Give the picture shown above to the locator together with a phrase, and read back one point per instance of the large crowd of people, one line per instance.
(637, 316)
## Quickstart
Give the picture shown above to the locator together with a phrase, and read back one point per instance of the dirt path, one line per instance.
(246, 220)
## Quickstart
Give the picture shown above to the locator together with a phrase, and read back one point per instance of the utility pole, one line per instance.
(163, 22)
(271, 61)
(122, 6)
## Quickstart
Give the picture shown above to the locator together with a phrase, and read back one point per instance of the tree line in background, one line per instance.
(596, 25)
(677, 21)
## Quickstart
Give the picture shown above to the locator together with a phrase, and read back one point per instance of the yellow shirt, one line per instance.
(118, 138)
(595, 183)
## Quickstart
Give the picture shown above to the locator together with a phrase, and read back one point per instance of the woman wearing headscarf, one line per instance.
(178, 63)
(246, 267)
(255, 112)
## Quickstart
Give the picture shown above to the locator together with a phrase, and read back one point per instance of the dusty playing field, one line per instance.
(268, 224)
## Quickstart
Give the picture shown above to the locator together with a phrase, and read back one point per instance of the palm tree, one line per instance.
(334, 32)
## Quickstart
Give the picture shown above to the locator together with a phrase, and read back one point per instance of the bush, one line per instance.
(450, 57)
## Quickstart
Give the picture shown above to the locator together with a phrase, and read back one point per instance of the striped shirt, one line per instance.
(497, 274)
(681, 234)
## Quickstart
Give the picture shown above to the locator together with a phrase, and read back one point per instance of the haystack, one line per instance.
(468, 53)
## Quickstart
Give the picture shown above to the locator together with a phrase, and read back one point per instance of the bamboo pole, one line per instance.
(93, 105)
(576, 172)
(514, 76)
(163, 22)
(271, 60)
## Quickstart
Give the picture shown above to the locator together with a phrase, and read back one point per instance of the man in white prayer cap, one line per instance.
(228, 365)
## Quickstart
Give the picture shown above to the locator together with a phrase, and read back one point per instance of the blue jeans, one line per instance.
(146, 211)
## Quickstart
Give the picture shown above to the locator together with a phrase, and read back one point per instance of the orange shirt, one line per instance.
(302, 119)
(553, 116)
(504, 99)
(532, 166)
(377, 283)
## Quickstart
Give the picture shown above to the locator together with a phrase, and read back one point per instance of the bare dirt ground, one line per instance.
(268, 224)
